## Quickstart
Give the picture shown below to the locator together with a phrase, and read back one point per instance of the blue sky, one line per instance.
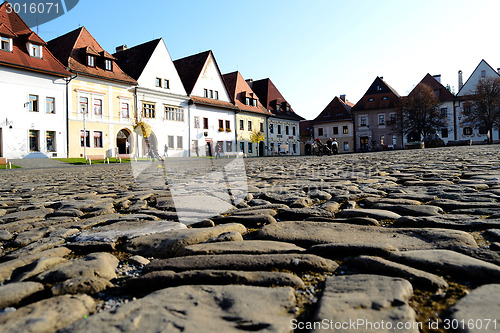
(313, 51)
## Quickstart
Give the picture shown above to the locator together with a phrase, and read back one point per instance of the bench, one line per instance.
(91, 158)
(4, 161)
(121, 157)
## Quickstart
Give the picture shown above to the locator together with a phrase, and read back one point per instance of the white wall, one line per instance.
(210, 79)
(282, 138)
(16, 86)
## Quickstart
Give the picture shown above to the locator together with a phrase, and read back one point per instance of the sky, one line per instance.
(312, 50)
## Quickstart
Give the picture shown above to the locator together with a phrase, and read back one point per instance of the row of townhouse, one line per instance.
(364, 126)
(71, 98)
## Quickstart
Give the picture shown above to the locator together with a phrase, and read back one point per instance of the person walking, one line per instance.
(218, 149)
(165, 151)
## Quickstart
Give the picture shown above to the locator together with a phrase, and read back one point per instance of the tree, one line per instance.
(420, 113)
(485, 110)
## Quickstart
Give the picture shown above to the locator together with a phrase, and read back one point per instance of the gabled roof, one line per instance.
(444, 95)
(12, 26)
(72, 48)
(482, 62)
(189, 69)
(134, 60)
(270, 97)
(239, 89)
(212, 102)
(337, 110)
(380, 95)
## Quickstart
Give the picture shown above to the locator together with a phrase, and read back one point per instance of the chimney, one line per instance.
(498, 70)
(121, 48)
(381, 77)
(460, 80)
(437, 77)
(342, 97)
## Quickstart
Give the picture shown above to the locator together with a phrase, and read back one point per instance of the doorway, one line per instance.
(123, 143)
(261, 148)
(363, 143)
(308, 149)
(208, 147)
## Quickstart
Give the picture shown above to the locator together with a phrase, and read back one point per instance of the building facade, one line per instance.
(33, 82)
(101, 111)
(160, 98)
(379, 104)
(335, 122)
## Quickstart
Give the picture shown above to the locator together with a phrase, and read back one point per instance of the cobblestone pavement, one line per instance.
(401, 241)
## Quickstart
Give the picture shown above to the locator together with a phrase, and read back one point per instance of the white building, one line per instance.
(210, 109)
(466, 130)
(160, 97)
(33, 85)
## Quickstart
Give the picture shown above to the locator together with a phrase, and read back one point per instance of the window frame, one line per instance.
(158, 82)
(345, 129)
(85, 138)
(97, 107)
(33, 103)
(148, 110)
(5, 41)
(50, 105)
(90, 60)
(36, 135)
(205, 123)
(53, 144)
(100, 142)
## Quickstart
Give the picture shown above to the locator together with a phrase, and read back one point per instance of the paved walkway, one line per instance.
(39, 163)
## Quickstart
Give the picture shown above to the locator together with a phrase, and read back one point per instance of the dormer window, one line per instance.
(166, 84)
(6, 44)
(35, 50)
(247, 101)
(108, 65)
(90, 61)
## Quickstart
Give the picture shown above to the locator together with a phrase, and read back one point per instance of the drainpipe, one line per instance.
(68, 80)
(189, 129)
(136, 119)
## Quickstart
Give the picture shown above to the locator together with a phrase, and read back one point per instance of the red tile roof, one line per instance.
(239, 89)
(72, 50)
(336, 110)
(12, 26)
(212, 102)
(270, 97)
(379, 96)
(444, 94)
(134, 60)
(189, 69)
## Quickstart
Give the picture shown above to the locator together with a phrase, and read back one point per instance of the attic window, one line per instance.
(6, 44)
(108, 65)
(158, 82)
(35, 50)
(90, 61)
(384, 98)
(370, 100)
(483, 73)
(166, 84)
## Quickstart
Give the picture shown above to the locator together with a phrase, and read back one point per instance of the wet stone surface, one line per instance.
(264, 244)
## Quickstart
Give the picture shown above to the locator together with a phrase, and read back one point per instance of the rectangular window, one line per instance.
(98, 106)
(179, 142)
(228, 125)
(262, 127)
(84, 105)
(271, 128)
(382, 140)
(345, 130)
(169, 113)
(294, 131)
(34, 146)
(179, 114)
(125, 110)
(90, 61)
(50, 105)
(346, 145)
(279, 129)
(211, 93)
(158, 82)
(381, 119)
(35, 51)
(221, 145)
(392, 116)
(229, 146)
(242, 125)
(148, 110)
(98, 139)
(362, 121)
(205, 123)
(444, 113)
(50, 139)
(171, 141)
(249, 125)
(33, 107)
(216, 94)
(221, 124)
(272, 146)
(205, 93)
(444, 132)
(294, 148)
(85, 139)
(166, 84)
(287, 130)
(467, 130)
(194, 146)
(394, 140)
(335, 130)
(242, 147)
(254, 102)
(320, 132)
(5, 44)
(108, 65)
(196, 122)
(483, 73)
(250, 147)
(247, 101)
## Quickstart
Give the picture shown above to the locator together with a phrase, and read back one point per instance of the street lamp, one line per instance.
(84, 113)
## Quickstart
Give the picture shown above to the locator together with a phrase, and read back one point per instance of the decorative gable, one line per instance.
(210, 83)
(482, 70)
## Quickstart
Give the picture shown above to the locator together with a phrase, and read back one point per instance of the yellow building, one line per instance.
(101, 110)
(251, 117)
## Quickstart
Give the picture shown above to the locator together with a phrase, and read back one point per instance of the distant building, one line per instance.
(466, 130)
(306, 134)
(160, 98)
(335, 122)
(251, 116)
(379, 104)
(33, 85)
(101, 97)
(283, 125)
(210, 108)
